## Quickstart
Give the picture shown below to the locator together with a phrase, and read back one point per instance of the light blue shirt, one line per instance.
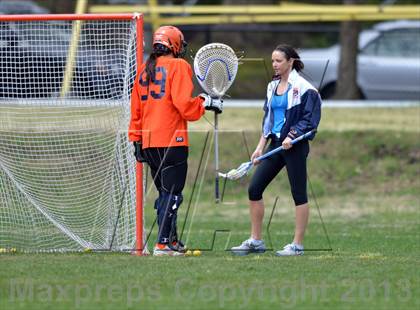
(279, 106)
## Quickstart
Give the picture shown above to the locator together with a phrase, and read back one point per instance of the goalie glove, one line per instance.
(138, 152)
(212, 104)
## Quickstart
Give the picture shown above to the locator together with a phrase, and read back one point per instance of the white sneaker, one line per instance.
(249, 246)
(290, 250)
(165, 250)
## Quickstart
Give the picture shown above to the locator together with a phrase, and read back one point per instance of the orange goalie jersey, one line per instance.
(161, 108)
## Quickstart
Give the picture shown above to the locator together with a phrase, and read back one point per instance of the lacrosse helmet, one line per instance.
(172, 38)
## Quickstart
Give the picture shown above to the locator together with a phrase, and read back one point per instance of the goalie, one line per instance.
(161, 105)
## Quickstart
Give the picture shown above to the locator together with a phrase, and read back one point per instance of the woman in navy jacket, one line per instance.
(292, 108)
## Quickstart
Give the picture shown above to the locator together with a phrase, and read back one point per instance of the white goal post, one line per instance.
(68, 177)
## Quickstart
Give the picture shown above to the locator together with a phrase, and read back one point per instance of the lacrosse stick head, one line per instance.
(237, 173)
(215, 66)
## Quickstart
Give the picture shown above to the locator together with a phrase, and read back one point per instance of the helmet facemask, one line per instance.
(183, 50)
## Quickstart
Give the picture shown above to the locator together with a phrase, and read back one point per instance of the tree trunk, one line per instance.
(347, 87)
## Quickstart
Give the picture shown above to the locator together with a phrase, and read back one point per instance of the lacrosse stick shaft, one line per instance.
(243, 169)
(278, 149)
(216, 157)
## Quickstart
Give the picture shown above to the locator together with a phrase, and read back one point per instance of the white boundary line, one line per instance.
(230, 103)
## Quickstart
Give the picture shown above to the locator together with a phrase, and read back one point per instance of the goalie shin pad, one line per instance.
(167, 208)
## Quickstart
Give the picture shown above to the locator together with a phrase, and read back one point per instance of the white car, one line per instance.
(388, 63)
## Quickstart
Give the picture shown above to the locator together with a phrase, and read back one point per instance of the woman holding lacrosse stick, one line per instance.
(161, 105)
(292, 108)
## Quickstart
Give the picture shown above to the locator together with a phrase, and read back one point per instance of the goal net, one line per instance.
(67, 172)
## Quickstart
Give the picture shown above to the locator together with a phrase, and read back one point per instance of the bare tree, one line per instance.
(347, 70)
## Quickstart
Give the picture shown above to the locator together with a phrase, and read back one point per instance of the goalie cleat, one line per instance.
(290, 250)
(249, 246)
(165, 250)
(178, 246)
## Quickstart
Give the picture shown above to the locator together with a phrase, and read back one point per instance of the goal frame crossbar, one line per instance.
(71, 17)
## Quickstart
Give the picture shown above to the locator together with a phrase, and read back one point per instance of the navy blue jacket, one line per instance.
(303, 108)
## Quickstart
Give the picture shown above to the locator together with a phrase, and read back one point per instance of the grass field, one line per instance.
(364, 171)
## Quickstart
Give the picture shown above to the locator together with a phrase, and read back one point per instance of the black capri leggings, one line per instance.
(295, 161)
(169, 167)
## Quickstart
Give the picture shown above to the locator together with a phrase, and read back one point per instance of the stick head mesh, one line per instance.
(237, 173)
(215, 66)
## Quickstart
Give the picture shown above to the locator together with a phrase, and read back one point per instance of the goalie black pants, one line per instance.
(294, 160)
(168, 167)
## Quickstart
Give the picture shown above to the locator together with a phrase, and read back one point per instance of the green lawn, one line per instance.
(363, 169)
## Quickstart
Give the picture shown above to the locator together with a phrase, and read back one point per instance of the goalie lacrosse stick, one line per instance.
(215, 67)
(244, 168)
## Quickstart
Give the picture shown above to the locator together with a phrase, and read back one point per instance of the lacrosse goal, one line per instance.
(68, 178)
